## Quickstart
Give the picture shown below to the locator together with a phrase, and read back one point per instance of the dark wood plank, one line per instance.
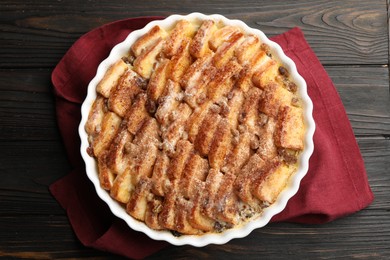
(42, 237)
(364, 92)
(28, 169)
(37, 166)
(41, 33)
(29, 95)
(27, 110)
(341, 239)
(349, 237)
(376, 156)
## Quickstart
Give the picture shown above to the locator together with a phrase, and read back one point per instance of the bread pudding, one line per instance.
(197, 129)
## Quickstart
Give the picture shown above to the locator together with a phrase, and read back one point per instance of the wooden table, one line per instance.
(351, 38)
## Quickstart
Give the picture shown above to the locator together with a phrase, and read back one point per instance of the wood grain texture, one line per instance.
(293, 241)
(364, 92)
(24, 238)
(27, 110)
(38, 33)
(351, 38)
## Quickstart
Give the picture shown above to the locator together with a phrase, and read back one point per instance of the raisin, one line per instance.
(218, 227)
(141, 83)
(150, 106)
(292, 87)
(283, 71)
(175, 233)
(90, 151)
(128, 59)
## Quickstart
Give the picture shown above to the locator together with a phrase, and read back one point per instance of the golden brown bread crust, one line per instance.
(197, 130)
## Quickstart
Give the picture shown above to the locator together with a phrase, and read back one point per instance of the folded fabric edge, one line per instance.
(64, 192)
(354, 162)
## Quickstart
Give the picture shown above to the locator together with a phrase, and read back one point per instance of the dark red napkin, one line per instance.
(335, 186)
